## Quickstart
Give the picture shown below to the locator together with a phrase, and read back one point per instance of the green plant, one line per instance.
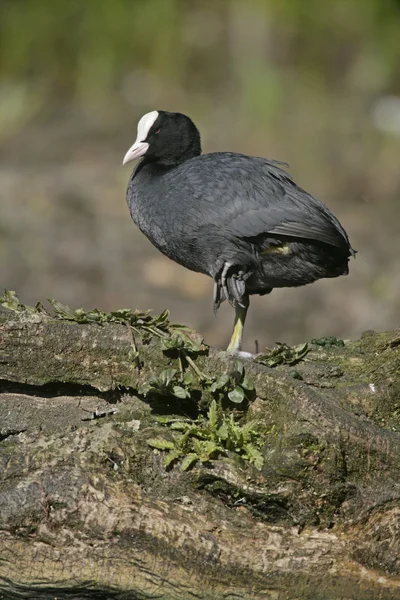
(167, 383)
(207, 438)
(158, 325)
(184, 348)
(11, 301)
(328, 342)
(283, 354)
(234, 385)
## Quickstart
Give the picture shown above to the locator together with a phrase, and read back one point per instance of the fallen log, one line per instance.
(127, 469)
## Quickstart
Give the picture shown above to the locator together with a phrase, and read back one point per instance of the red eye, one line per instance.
(157, 131)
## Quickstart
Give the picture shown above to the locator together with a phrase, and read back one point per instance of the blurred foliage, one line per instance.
(97, 52)
(313, 83)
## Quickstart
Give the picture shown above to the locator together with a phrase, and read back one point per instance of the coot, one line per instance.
(240, 219)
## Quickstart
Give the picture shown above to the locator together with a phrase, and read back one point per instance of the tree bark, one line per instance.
(87, 509)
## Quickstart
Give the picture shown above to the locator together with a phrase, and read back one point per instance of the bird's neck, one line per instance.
(176, 158)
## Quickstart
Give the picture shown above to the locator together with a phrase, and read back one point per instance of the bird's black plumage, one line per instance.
(240, 219)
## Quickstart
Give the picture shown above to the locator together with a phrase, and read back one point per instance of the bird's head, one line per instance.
(165, 137)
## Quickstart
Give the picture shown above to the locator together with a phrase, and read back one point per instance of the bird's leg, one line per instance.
(216, 297)
(221, 292)
(237, 334)
(224, 278)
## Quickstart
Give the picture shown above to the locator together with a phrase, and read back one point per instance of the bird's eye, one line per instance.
(157, 131)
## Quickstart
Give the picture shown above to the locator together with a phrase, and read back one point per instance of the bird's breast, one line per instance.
(166, 226)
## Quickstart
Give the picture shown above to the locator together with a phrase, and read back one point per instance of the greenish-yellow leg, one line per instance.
(237, 334)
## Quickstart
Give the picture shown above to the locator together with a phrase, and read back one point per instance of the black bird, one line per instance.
(239, 219)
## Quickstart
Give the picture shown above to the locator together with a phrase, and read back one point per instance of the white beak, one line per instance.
(140, 147)
(136, 151)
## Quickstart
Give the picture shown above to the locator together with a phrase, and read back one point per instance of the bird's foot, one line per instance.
(241, 354)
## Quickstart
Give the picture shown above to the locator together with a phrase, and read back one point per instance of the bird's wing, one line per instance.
(289, 222)
(275, 204)
(250, 196)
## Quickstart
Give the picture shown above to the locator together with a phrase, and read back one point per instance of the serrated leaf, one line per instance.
(223, 432)
(170, 457)
(121, 312)
(249, 428)
(80, 316)
(62, 311)
(188, 461)
(166, 419)
(161, 444)
(236, 395)
(11, 301)
(255, 457)
(212, 415)
(210, 447)
(180, 392)
(181, 425)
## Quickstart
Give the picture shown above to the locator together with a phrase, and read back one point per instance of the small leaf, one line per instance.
(212, 415)
(188, 461)
(40, 308)
(181, 425)
(145, 389)
(162, 317)
(295, 374)
(180, 392)
(133, 355)
(301, 348)
(166, 376)
(171, 457)
(209, 448)
(161, 444)
(166, 419)
(247, 384)
(80, 316)
(239, 367)
(220, 382)
(188, 378)
(250, 428)
(10, 300)
(62, 310)
(223, 432)
(255, 456)
(328, 341)
(236, 395)
(172, 342)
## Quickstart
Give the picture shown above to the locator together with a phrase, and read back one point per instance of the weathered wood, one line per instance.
(88, 511)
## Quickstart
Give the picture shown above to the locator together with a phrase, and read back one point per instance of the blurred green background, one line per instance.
(314, 83)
